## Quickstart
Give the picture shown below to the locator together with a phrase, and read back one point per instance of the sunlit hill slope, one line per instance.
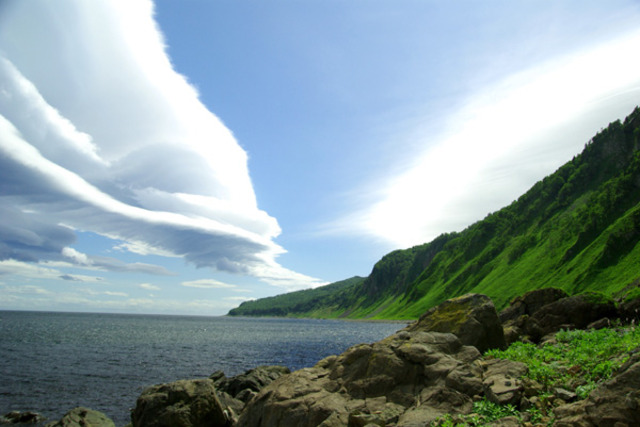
(577, 229)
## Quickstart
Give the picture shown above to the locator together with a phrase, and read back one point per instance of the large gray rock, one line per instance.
(184, 403)
(245, 385)
(501, 381)
(83, 417)
(472, 318)
(392, 381)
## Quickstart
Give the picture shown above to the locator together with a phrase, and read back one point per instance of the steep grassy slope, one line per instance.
(577, 229)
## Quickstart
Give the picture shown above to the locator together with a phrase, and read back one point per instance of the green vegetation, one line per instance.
(577, 361)
(318, 302)
(577, 229)
(483, 413)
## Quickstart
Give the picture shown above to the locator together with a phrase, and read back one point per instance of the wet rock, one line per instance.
(184, 403)
(83, 417)
(472, 318)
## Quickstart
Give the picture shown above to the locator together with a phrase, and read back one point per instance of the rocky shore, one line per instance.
(431, 369)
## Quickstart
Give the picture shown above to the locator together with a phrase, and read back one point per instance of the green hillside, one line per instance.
(577, 229)
(318, 302)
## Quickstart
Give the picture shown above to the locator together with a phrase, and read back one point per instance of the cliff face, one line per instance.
(577, 229)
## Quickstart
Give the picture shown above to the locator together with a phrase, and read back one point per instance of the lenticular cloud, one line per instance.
(99, 133)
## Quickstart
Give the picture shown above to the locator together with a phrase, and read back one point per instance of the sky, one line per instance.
(181, 157)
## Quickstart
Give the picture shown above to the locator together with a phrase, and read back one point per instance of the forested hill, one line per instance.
(577, 229)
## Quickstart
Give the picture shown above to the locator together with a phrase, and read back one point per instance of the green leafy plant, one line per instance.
(484, 412)
(580, 359)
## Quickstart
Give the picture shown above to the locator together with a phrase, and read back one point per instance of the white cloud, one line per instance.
(36, 271)
(75, 256)
(207, 284)
(149, 287)
(504, 139)
(26, 289)
(99, 133)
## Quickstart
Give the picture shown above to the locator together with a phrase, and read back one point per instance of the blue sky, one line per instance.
(185, 156)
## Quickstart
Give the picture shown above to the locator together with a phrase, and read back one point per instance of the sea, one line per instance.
(53, 362)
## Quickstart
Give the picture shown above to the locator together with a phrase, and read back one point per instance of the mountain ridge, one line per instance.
(576, 229)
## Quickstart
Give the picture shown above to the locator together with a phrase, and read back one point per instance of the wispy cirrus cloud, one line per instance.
(112, 140)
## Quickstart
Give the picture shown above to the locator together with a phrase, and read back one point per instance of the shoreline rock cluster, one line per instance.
(431, 368)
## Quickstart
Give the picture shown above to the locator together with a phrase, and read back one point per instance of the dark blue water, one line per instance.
(53, 362)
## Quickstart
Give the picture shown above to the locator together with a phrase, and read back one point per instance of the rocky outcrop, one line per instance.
(237, 391)
(83, 417)
(630, 311)
(403, 378)
(184, 403)
(244, 386)
(530, 303)
(472, 318)
(575, 312)
(543, 312)
(616, 402)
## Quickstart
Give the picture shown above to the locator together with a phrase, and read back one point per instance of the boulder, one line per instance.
(184, 403)
(83, 417)
(531, 302)
(388, 382)
(472, 318)
(501, 381)
(516, 318)
(575, 312)
(17, 417)
(542, 313)
(252, 380)
(616, 402)
(630, 311)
